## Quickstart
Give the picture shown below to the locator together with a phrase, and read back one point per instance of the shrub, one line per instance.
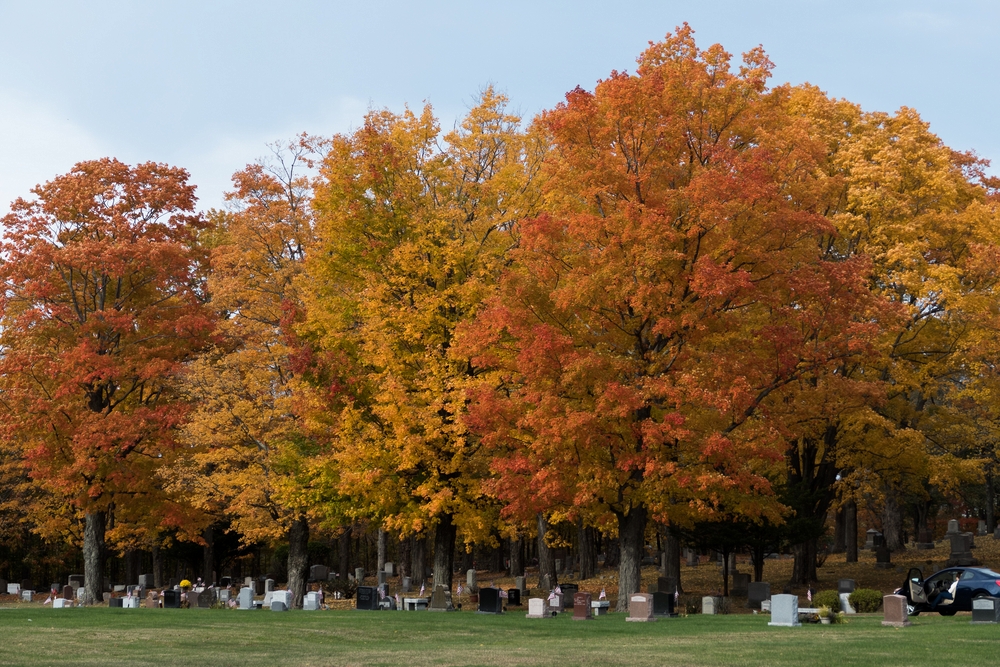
(866, 600)
(828, 599)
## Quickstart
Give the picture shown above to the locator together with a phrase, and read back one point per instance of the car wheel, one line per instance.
(912, 611)
(947, 612)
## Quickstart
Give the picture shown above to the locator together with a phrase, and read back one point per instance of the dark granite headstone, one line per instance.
(568, 591)
(740, 583)
(68, 593)
(116, 602)
(319, 573)
(490, 601)
(985, 609)
(513, 597)
(666, 584)
(757, 592)
(663, 604)
(171, 599)
(883, 557)
(367, 598)
(846, 586)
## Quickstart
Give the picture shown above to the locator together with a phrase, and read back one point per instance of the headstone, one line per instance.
(206, 598)
(581, 607)
(640, 607)
(710, 605)
(116, 602)
(13, 589)
(414, 604)
(600, 607)
(268, 585)
(985, 609)
(666, 585)
(359, 575)
(76, 580)
(513, 597)
(538, 608)
(757, 592)
(961, 554)
(267, 599)
(225, 594)
(61, 603)
(663, 604)
(278, 605)
(246, 598)
(81, 593)
(407, 586)
(870, 539)
(67, 592)
(845, 603)
(996, 532)
(519, 584)
(740, 583)
(383, 579)
(130, 602)
(319, 573)
(568, 591)
(282, 600)
(894, 610)
(692, 558)
(883, 557)
(490, 601)
(470, 580)
(27, 595)
(171, 599)
(925, 539)
(559, 565)
(258, 587)
(119, 588)
(846, 586)
(952, 527)
(546, 583)
(390, 569)
(311, 601)
(440, 600)
(367, 598)
(785, 611)
(248, 582)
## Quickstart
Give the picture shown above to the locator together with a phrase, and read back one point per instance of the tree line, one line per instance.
(684, 302)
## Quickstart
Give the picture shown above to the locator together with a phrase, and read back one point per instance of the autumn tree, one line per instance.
(102, 302)
(249, 450)
(413, 231)
(673, 288)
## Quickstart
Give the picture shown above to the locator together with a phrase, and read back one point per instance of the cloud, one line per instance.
(37, 143)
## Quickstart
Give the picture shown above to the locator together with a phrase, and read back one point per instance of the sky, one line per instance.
(207, 85)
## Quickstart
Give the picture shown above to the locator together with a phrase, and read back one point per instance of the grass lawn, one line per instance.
(100, 636)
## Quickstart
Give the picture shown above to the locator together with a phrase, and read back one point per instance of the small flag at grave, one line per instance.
(503, 594)
(421, 589)
(460, 589)
(677, 595)
(603, 595)
(398, 604)
(809, 594)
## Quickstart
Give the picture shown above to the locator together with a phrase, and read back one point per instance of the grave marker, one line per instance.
(367, 598)
(757, 592)
(440, 600)
(985, 609)
(581, 607)
(894, 609)
(319, 573)
(490, 601)
(640, 608)
(538, 608)
(710, 605)
(514, 597)
(246, 598)
(740, 584)
(663, 604)
(785, 611)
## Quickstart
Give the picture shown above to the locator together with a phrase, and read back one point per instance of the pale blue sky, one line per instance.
(205, 85)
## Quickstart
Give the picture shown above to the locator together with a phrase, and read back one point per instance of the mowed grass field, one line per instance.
(100, 636)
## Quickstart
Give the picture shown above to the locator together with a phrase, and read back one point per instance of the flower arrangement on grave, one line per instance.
(185, 585)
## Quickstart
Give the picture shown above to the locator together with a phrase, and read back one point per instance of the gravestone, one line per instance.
(27, 595)
(311, 601)
(757, 592)
(390, 569)
(513, 597)
(278, 605)
(414, 604)
(600, 607)
(692, 558)
(267, 599)
(985, 609)
(581, 607)
(61, 603)
(961, 554)
(883, 557)
(440, 600)
(559, 565)
(67, 592)
(568, 591)
(13, 589)
(785, 611)
(119, 589)
(894, 609)
(206, 598)
(546, 583)
(366, 598)
(538, 608)
(490, 601)
(319, 573)
(407, 586)
(383, 580)
(246, 598)
(711, 605)
(116, 603)
(470, 580)
(359, 575)
(268, 585)
(76, 581)
(130, 602)
(870, 542)
(846, 586)
(640, 608)
(925, 539)
(666, 585)
(996, 533)
(663, 604)
(740, 583)
(519, 584)
(171, 599)
(225, 594)
(953, 528)
(281, 600)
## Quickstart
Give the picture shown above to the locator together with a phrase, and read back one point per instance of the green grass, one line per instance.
(97, 636)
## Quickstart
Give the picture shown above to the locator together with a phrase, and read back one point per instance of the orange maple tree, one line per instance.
(101, 304)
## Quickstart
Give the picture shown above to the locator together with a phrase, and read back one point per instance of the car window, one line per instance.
(942, 579)
(968, 574)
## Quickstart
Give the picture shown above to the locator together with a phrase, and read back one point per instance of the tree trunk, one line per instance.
(631, 534)
(154, 553)
(344, 553)
(546, 562)
(588, 551)
(892, 523)
(381, 551)
(418, 560)
(611, 551)
(93, 556)
(517, 557)
(405, 554)
(444, 551)
(804, 567)
(839, 546)
(298, 560)
(672, 549)
(851, 531)
(208, 557)
(990, 504)
(132, 567)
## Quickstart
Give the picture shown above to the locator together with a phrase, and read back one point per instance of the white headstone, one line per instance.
(710, 605)
(785, 610)
(538, 608)
(246, 598)
(27, 595)
(131, 602)
(284, 597)
(389, 569)
(311, 601)
(268, 585)
(13, 589)
(61, 603)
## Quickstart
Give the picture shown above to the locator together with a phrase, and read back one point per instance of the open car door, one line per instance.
(915, 587)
